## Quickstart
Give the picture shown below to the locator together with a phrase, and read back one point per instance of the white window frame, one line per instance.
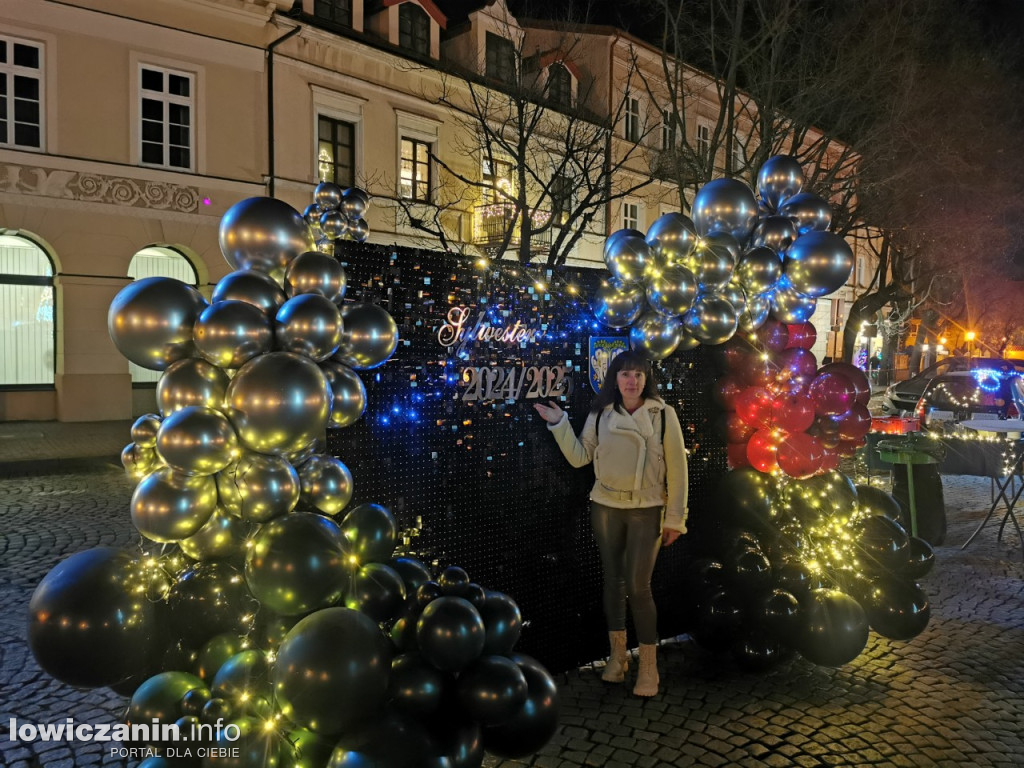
(419, 128)
(9, 70)
(192, 102)
(669, 131)
(631, 119)
(739, 159)
(632, 211)
(702, 138)
(338, 106)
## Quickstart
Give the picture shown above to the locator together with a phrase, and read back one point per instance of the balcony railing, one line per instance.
(491, 222)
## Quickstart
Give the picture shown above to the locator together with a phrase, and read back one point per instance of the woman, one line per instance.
(637, 504)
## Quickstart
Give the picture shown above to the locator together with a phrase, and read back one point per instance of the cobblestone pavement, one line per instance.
(953, 696)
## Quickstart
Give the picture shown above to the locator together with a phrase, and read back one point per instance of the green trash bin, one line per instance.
(916, 457)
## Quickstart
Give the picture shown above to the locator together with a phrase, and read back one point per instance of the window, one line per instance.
(559, 84)
(26, 314)
(561, 199)
(158, 262)
(21, 93)
(414, 28)
(414, 183)
(336, 151)
(501, 59)
(632, 118)
(168, 103)
(496, 174)
(739, 159)
(668, 129)
(703, 139)
(336, 11)
(630, 216)
(838, 313)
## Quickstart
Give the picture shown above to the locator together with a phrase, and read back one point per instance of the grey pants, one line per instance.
(628, 540)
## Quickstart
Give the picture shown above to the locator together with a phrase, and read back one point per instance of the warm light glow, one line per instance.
(969, 336)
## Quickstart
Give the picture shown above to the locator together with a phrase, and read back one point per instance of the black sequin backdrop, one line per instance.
(484, 479)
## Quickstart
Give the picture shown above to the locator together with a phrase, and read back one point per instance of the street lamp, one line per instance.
(970, 344)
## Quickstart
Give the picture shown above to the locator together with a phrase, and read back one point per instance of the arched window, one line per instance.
(26, 314)
(158, 261)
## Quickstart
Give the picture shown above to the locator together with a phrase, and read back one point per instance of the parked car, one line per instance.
(970, 394)
(903, 396)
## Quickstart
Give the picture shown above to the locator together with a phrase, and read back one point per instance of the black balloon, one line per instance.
(332, 671)
(450, 633)
(719, 622)
(746, 499)
(709, 576)
(920, 559)
(878, 502)
(453, 579)
(751, 571)
(795, 577)
(758, 653)
(415, 686)
(897, 609)
(160, 697)
(242, 677)
(376, 590)
(884, 543)
(778, 613)
(535, 723)
(371, 531)
(835, 628)
(492, 689)
(503, 622)
(87, 625)
(426, 592)
(403, 631)
(209, 599)
(412, 571)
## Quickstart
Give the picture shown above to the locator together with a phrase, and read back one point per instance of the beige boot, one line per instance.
(647, 677)
(618, 662)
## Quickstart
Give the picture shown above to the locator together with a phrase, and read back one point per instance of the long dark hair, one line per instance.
(624, 361)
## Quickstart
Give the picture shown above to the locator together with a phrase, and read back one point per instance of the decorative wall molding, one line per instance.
(97, 188)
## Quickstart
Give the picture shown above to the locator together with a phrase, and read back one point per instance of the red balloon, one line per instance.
(733, 355)
(800, 455)
(855, 423)
(793, 413)
(726, 389)
(833, 393)
(856, 376)
(848, 448)
(802, 335)
(754, 406)
(737, 430)
(799, 362)
(761, 370)
(736, 454)
(762, 451)
(829, 460)
(773, 335)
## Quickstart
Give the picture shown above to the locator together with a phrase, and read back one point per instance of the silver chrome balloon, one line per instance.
(628, 257)
(714, 260)
(191, 382)
(150, 321)
(779, 179)
(617, 306)
(349, 393)
(775, 232)
(256, 288)
(229, 333)
(672, 292)
(736, 295)
(197, 441)
(655, 336)
(725, 205)
(334, 224)
(297, 458)
(672, 237)
(144, 430)
(354, 203)
(263, 233)
(370, 336)
(315, 272)
(818, 263)
(326, 484)
(359, 230)
(266, 486)
(328, 195)
(759, 270)
(138, 461)
(309, 324)
(789, 305)
(222, 537)
(278, 402)
(311, 213)
(711, 321)
(170, 506)
(809, 212)
(755, 314)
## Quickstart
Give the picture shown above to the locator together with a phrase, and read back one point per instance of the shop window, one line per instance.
(26, 314)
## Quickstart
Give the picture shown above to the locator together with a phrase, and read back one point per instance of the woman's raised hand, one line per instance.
(551, 413)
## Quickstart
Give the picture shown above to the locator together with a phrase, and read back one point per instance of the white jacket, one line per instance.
(632, 467)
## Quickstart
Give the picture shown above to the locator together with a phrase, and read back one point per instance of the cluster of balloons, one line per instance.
(783, 412)
(317, 645)
(783, 581)
(740, 257)
(337, 214)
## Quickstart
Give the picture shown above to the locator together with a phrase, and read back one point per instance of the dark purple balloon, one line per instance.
(833, 393)
(799, 362)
